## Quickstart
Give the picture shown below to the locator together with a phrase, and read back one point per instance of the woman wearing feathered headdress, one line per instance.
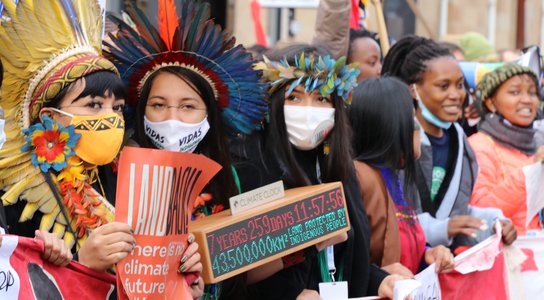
(192, 89)
(61, 99)
(306, 142)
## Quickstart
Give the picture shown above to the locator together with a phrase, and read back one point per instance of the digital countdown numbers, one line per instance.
(277, 231)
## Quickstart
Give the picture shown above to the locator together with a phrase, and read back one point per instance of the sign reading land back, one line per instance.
(305, 216)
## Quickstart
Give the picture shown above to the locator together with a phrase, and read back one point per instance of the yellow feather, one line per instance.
(12, 194)
(61, 219)
(90, 18)
(48, 204)
(14, 160)
(69, 239)
(28, 211)
(59, 229)
(10, 146)
(13, 175)
(49, 219)
(36, 193)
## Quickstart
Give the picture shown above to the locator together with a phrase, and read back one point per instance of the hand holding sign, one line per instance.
(156, 190)
(106, 246)
(441, 257)
(190, 261)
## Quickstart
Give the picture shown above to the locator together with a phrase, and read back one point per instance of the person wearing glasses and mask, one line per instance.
(191, 99)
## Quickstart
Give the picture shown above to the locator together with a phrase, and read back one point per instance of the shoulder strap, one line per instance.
(236, 179)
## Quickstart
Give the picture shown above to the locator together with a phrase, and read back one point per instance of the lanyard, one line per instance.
(327, 265)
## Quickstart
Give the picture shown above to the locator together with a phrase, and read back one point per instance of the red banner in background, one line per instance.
(355, 14)
(260, 36)
(156, 190)
(479, 272)
(532, 270)
(24, 275)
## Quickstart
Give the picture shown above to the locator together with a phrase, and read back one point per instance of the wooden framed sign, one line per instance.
(230, 245)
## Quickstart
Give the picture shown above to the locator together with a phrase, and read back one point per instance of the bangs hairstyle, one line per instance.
(337, 165)
(382, 120)
(97, 84)
(214, 145)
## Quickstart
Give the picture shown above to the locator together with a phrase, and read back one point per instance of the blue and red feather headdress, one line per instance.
(190, 40)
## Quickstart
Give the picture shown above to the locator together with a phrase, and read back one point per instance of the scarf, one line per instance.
(509, 135)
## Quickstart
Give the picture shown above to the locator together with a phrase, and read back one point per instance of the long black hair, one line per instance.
(337, 165)
(408, 58)
(381, 116)
(214, 145)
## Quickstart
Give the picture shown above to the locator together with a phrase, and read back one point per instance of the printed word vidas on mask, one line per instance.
(174, 135)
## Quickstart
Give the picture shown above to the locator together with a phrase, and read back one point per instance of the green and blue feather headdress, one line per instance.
(192, 41)
(319, 73)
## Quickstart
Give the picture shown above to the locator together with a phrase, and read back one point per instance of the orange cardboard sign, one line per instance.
(156, 190)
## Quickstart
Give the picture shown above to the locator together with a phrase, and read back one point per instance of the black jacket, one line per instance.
(363, 278)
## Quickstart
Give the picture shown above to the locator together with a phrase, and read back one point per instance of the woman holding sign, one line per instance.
(447, 169)
(307, 142)
(61, 100)
(505, 144)
(386, 141)
(190, 88)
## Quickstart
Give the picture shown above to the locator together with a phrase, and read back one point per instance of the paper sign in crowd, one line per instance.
(156, 190)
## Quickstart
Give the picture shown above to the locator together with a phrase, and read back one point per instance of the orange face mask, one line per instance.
(101, 136)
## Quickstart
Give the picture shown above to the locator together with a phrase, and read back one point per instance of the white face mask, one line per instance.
(174, 135)
(308, 126)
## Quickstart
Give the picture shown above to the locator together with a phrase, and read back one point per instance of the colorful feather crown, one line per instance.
(45, 46)
(322, 74)
(193, 41)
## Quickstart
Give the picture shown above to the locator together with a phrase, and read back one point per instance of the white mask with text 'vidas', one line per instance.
(174, 135)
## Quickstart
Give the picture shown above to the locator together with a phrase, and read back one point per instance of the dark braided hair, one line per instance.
(408, 57)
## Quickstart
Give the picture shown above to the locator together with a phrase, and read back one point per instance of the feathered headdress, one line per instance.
(190, 40)
(322, 74)
(44, 47)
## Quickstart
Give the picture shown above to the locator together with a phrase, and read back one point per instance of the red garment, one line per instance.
(481, 273)
(27, 276)
(412, 238)
(501, 182)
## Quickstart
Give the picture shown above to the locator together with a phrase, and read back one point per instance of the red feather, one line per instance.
(168, 21)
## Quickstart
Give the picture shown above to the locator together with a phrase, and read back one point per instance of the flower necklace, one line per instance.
(52, 148)
(202, 209)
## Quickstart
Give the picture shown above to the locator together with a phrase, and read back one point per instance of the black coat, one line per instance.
(364, 278)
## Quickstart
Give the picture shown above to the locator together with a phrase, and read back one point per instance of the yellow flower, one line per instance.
(74, 171)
